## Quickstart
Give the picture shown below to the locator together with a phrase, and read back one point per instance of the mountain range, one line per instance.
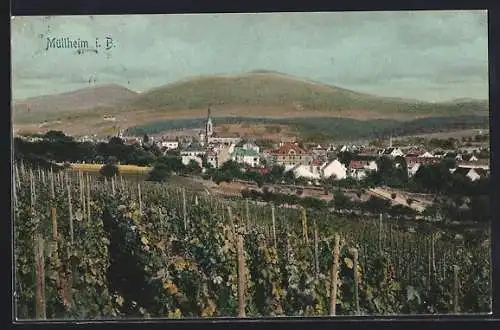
(258, 93)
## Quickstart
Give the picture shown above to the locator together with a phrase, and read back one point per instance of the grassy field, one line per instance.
(124, 169)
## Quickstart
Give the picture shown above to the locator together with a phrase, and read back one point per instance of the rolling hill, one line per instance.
(260, 93)
(87, 98)
(271, 89)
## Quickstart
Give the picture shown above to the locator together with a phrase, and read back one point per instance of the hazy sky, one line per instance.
(431, 56)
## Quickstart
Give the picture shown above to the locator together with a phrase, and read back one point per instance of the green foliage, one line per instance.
(160, 173)
(136, 257)
(109, 170)
(330, 127)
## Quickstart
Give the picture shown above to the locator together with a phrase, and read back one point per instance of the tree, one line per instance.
(173, 163)
(116, 140)
(377, 205)
(345, 157)
(393, 195)
(109, 170)
(193, 167)
(480, 208)
(160, 173)
(340, 200)
(449, 162)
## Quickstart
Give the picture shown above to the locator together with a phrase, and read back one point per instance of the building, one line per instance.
(413, 169)
(251, 146)
(169, 144)
(359, 169)
(213, 158)
(246, 157)
(311, 172)
(425, 154)
(472, 173)
(334, 168)
(207, 135)
(290, 154)
(193, 152)
(207, 131)
(392, 152)
(469, 158)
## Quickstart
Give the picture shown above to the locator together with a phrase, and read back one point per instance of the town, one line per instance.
(236, 166)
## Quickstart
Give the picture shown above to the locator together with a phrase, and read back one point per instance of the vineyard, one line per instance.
(92, 248)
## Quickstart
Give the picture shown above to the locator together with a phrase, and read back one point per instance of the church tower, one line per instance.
(209, 126)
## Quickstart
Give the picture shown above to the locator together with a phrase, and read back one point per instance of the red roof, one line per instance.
(420, 160)
(317, 162)
(287, 147)
(264, 170)
(358, 164)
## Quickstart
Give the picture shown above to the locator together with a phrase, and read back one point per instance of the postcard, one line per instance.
(251, 165)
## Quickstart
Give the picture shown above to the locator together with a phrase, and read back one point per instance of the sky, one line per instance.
(427, 55)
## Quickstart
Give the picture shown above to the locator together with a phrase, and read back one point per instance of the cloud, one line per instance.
(366, 51)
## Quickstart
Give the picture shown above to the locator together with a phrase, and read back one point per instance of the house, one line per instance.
(439, 154)
(334, 168)
(212, 158)
(246, 156)
(169, 144)
(319, 151)
(472, 173)
(359, 169)
(251, 146)
(413, 169)
(291, 154)
(470, 150)
(393, 152)
(311, 172)
(469, 158)
(193, 152)
(425, 154)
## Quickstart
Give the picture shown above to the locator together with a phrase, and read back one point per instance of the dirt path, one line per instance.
(418, 204)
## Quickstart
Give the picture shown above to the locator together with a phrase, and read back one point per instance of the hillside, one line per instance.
(325, 128)
(261, 93)
(264, 88)
(40, 107)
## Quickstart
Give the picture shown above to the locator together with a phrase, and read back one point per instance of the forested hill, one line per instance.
(330, 127)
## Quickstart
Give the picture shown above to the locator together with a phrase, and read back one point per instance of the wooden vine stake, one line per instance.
(140, 197)
(70, 210)
(113, 190)
(232, 229)
(247, 212)
(304, 226)
(184, 208)
(274, 225)
(316, 251)
(334, 278)
(88, 198)
(40, 306)
(380, 233)
(241, 276)
(355, 256)
(456, 308)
